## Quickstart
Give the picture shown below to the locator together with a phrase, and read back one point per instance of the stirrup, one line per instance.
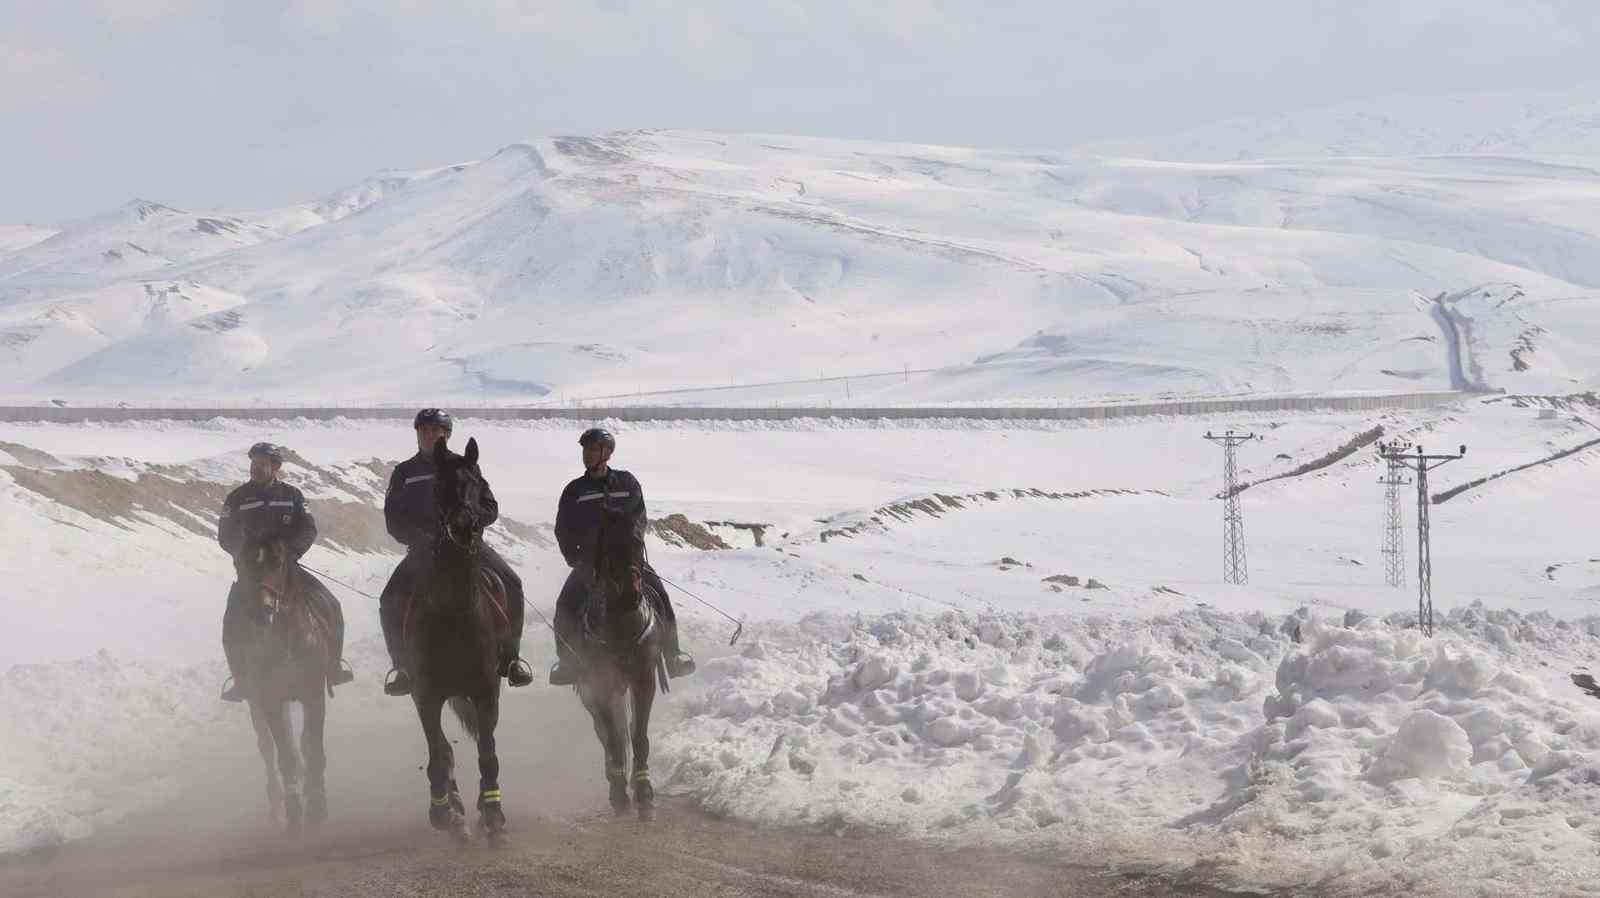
(680, 664)
(518, 673)
(564, 673)
(342, 674)
(231, 691)
(397, 683)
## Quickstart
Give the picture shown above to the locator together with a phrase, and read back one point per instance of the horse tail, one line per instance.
(467, 713)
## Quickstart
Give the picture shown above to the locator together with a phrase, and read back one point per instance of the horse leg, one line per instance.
(598, 698)
(269, 757)
(491, 816)
(277, 715)
(315, 705)
(441, 762)
(643, 692)
(617, 746)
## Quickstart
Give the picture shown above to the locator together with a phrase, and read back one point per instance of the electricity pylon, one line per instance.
(1422, 464)
(1394, 521)
(1234, 567)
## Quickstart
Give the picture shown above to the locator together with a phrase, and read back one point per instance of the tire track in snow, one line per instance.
(1465, 373)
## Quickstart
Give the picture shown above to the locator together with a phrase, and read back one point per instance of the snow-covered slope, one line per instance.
(15, 237)
(579, 267)
(138, 237)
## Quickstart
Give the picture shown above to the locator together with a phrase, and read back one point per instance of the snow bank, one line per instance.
(1423, 762)
(1361, 754)
(85, 743)
(88, 741)
(971, 721)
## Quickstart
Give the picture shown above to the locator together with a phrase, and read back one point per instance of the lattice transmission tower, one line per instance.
(1235, 569)
(1394, 519)
(1421, 464)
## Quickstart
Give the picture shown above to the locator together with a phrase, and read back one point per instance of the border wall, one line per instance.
(76, 415)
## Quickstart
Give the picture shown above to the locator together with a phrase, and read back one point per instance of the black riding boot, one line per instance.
(679, 662)
(512, 667)
(235, 638)
(233, 690)
(339, 672)
(565, 671)
(393, 620)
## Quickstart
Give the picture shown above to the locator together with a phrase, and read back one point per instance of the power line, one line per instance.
(1235, 569)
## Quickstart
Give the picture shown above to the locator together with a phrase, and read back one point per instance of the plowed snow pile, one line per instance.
(1363, 753)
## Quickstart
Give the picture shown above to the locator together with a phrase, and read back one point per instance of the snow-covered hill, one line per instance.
(576, 267)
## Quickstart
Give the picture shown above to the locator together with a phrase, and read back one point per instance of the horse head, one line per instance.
(458, 497)
(618, 561)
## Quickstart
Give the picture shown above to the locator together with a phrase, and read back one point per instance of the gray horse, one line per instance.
(288, 663)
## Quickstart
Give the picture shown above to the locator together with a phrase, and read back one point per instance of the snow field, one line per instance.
(916, 655)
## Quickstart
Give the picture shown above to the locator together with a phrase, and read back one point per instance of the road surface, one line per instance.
(214, 841)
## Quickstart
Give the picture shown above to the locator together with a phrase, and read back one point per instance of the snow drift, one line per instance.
(1281, 750)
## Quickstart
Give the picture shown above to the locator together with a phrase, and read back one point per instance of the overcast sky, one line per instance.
(245, 103)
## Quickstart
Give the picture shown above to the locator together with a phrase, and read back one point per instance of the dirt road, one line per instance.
(214, 839)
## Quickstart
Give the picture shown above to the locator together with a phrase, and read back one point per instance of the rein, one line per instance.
(607, 583)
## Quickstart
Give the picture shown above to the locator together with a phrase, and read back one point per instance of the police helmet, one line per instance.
(600, 435)
(268, 451)
(435, 416)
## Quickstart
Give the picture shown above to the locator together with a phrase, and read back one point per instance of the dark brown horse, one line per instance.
(621, 661)
(288, 663)
(454, 625)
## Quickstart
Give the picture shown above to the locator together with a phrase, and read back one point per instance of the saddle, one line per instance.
(276, 590)
(628, 582)
(492, 586)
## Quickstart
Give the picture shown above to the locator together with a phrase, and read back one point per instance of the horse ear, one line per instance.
(439, 451)
(472, 451)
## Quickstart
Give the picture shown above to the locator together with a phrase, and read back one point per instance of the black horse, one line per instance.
(454, 625)
(621, 661)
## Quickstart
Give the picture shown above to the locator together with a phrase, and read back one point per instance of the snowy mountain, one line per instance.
(576, 267)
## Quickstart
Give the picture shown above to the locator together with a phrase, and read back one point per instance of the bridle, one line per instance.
(470, 542)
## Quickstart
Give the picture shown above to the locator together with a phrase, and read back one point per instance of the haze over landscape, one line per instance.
(1007, 641)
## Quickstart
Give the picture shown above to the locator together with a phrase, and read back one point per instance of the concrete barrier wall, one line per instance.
(72, 415)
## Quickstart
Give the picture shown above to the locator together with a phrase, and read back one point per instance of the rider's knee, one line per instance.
(510, 578)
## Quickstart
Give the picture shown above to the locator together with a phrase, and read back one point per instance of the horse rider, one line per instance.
(411, 516)
(578, 518)
(262, 522)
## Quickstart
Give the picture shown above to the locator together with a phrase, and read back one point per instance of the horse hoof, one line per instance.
(492, 818)
(620, 802)
(498, 839)
(441, 816)
(647, 812)
(293, 814)
(458, 832)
